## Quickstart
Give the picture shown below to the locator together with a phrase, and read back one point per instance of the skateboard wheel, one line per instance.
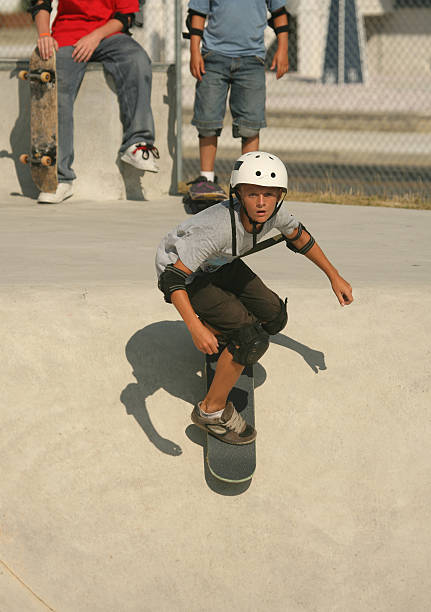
(45, 77)
(23, 158)
(23, 74)
(46, 160)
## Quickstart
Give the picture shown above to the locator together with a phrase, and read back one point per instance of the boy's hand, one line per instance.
(281, 62)
(342, 290)
(197, 64)
(85, 46)
(203, 338)
(46, 46)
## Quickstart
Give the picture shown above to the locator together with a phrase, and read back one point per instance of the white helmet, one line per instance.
(259, 168)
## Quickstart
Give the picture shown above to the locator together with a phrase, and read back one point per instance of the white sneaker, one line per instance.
(63, 191)
(142, 156)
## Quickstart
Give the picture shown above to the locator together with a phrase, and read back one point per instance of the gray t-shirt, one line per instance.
(204, 242)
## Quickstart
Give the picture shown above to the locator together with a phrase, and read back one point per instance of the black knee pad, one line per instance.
(208, 133)
(248, 344)
(277, 324)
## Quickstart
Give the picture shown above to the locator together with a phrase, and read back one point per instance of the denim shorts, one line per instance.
(245, 76)
(232, 297)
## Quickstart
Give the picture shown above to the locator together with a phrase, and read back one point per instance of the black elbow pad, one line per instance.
(36, 6)
(127, 20)
(290, 242)
(283, 28)
(192, 31)
(170, 280)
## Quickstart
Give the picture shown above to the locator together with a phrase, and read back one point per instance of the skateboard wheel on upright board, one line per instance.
(23, 74)
(46, 160)
(45, 77)
(23, 158)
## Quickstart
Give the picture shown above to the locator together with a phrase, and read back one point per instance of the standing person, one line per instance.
(224, 304)
(97, 31)
(232, 56)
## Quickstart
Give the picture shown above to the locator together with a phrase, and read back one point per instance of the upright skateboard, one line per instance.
(42, 158)
(229, 462)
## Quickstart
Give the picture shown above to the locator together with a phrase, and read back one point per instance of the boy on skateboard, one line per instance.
(225, 305)
(97, 31)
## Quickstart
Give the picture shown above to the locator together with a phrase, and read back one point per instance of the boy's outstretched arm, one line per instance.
(281, 59)
(340, 287)
(202, 337)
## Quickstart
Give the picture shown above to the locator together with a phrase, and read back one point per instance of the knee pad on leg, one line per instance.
(208, 133)
(248, 344)
(243, 132)
(244, 139)
(277, 324)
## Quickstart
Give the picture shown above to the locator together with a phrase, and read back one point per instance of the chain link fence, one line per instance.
(353, 114)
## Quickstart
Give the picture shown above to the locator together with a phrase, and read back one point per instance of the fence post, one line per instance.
(178, 93)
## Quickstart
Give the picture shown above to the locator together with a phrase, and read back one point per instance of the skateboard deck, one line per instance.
(230, 462)
(42, 158)
(196, 206)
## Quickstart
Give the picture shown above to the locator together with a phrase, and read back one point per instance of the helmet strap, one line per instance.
(232, 220)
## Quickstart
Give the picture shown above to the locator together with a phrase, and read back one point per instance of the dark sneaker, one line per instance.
(203, 189)
(230, 427)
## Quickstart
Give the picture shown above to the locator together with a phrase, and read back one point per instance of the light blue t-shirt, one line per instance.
(204, 241)
(235, 27)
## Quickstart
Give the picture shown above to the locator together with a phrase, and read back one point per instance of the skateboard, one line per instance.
(230, 462)
(196, 206)
(42, 158)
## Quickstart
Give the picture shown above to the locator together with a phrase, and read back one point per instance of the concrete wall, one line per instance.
(399, 43)
(100, 174)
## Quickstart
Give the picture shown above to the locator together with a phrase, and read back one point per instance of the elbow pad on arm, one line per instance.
(170, 280)
(283, 28)
(126, 19)
(37, 5)
(192, 31)
(307, 246)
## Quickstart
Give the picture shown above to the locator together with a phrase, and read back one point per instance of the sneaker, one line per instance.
(230, 427)
(203, 189)
(142, 156)
(63, 191)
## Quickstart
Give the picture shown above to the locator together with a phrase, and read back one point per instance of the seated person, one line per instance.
(97, 31)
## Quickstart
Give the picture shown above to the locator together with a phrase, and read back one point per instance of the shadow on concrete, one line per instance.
(20, 136)
(315, 359)
(132, 179)
(163, 356)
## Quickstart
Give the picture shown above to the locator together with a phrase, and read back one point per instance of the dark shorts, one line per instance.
(232, 297)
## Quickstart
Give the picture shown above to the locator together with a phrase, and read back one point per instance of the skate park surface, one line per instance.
(105, 501)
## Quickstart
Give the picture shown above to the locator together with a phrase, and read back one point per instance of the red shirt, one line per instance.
(76, 18)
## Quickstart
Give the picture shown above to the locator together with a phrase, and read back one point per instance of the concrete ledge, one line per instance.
(100, 173)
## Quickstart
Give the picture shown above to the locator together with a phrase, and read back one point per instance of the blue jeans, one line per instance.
(130, 67)
(245, 76)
